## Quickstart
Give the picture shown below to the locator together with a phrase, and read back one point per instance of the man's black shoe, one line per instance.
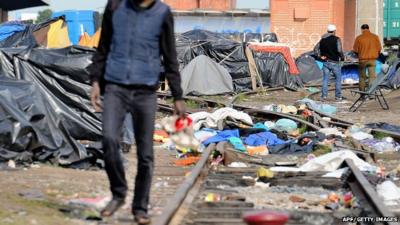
(112, 207)
(142, 219)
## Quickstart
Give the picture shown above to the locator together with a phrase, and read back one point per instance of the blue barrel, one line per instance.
(79, 21)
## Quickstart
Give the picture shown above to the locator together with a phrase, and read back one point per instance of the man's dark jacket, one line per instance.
(166, 49)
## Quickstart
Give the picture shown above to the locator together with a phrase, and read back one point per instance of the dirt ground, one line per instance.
(40, 194)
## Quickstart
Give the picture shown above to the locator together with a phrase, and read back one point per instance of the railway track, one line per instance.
(188, 205)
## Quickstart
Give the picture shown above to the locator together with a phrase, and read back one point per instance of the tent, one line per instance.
(229, 53)
(51, 34)
(91, 42)
(205, 77)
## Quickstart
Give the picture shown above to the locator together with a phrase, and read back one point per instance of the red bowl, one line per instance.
(265, 218)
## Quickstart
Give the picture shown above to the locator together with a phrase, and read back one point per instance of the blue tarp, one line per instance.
(8, 29)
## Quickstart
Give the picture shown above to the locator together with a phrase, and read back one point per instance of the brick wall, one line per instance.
(201, 4)
(300, 23)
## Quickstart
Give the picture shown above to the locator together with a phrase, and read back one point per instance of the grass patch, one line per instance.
(240, 97)
(303, 129)
(380, 135)
(321, 150)
(192, 104)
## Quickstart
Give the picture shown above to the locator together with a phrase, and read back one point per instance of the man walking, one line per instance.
(135, 34)
(368, 47)
(329, 50)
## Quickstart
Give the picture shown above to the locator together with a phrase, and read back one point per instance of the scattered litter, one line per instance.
(331, 131)
(11, 164)
(296, 198)
(329, 163)
(94, 203)
(360, 135)
(237, 165)
(211, 120)
(389, 193)
(265, 173)
(32, 195)
(211, 197)
(187, 161)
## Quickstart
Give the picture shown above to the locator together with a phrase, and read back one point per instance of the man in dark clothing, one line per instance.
(135, 34)
(329, 50)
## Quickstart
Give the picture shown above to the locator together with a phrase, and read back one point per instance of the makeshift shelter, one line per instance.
(58, 37)
(309, 71)
(90, 41)
(205, 77)
(57, 84)
(226, 51)
(8, 29)
(52, 34)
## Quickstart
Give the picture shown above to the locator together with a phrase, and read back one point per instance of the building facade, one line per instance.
(300, 23)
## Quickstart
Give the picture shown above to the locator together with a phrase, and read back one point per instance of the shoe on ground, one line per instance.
(323, 99)
(112, 207)
(142, 219)
(339, 99)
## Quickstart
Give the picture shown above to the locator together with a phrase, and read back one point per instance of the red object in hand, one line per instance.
(181, 124)
(265, 218)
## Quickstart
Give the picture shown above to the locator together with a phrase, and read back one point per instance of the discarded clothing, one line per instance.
(211, 120)
(204, 134)
(325, 108)
(237, 143)
(222, 136)
(286, 125)
(257, 150)
(384, 126)
(261, 126)
(160, 136)
(361, 136)
(304, 144)
(265, 138)
(329, 163)
(244, 132)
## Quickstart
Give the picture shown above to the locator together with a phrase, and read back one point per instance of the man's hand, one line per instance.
(95, 96)
(323, 57)
(180, 108)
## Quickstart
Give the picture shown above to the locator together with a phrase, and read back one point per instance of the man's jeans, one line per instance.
(335, 68)
(142, 105)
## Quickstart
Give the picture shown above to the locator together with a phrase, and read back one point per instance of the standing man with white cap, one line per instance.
(329, 50)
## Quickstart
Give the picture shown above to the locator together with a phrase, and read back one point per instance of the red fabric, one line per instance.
(284, 50)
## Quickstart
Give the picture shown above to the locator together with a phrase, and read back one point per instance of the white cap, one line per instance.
(331, 28)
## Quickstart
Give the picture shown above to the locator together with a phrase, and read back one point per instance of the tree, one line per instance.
(44, 15)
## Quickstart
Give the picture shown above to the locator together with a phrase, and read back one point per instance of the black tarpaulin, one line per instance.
(230, 53)
(10, 5)
(58, 81)
(274, 70)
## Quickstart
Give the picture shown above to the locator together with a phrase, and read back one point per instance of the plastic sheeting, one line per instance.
(205, 77)
(30, 128)
(31, 36)
(8, 29)
(59, 75)
(274, 70)
(310, 73)
(393, 79)
(230, 54)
